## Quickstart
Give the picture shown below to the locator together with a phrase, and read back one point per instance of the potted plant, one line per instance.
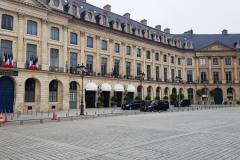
(148, 98)
(199, 93)
(138, 98)
(173, 98)
(126, 98)
(157, 98)
(114, 100)
(165, 97)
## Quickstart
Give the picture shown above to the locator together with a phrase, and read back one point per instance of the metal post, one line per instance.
(81, 106)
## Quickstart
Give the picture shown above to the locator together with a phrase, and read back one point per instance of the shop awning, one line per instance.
(91, 87)
(130, 88)
(118, 88)
(106, 87)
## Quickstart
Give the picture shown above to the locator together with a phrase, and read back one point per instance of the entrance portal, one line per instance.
(90, 97)
(6, 94)
(218, 98)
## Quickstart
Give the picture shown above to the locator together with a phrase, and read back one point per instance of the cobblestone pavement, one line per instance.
(211, 134)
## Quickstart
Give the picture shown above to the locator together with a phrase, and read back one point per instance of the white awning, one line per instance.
(119, 88)
(91, 87)
(106, 87)
(130, 88)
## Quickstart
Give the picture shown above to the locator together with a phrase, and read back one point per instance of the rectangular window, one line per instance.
(31, 27)
(179, 61)
(89, 42)
(139, 68)
(179, 73)
(172, 59)
(139, 52)
(189, 61)
(215, 77)
(128, 69)
(202, 61)
(104, 66)
(229, 76)
(54, 33)
(117, 66)
(157, 56)
(90, 63)
(73, 62)
(148, 55)
(6, 47)
(157, 72)
(215, 61)
(148, 72)
(31, 53)
(73, 38)
(228, 61)
(128, 50)
(165, 74)
(203, 76)
(54, 59)
(164, 58)
(104, 45)
(7, 22)
(189, 76)
(117, 48)
(172, 75)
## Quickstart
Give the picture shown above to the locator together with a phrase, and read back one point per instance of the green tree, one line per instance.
(199, 92)
(173, 97)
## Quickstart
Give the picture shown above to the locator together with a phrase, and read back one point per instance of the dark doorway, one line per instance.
(218, 98)
(106, 95)
(119, 101)
(6, 94)
(73, 95)
(90, 97)
(130, 95)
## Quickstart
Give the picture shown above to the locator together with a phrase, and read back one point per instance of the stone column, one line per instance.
(169, 66)
(97, 66)
(20, 54)
(44, 55)
(82, 47)
(134, 68)
(153, 69)
(144, 61)
(222, 70)
(123, 58)
(235, 71)
(65, 50)
(111, 53)
(196, 61)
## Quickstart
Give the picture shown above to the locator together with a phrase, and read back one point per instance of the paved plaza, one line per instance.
(208, 134)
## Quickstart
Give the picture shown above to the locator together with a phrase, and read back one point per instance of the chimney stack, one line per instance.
(107, 8)
(189, 32)
(167, 30)
(84, 0)
(144, 21)
(127, 15)
(158, 27)
(225, 31)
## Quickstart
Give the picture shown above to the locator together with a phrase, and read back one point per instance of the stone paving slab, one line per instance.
(197, 135)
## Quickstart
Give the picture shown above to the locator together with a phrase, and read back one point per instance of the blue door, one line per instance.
(6, 94)
(218, 98)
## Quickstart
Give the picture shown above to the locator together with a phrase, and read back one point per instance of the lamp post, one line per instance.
(179, 79)
(141, 78)
(82, 71)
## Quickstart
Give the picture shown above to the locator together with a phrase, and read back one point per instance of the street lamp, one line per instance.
(141, 78)
(179, 79)
(82, 71)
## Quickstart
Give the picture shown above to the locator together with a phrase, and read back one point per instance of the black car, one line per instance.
(135, 104)
(156, 105)
(183, 103)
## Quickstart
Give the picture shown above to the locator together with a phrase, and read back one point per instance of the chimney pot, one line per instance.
(107, 7)
(225, 31)
(167, 30)
(127, 15)
(144, 21)
(158, 27)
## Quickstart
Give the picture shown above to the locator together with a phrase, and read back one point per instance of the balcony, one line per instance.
(14, 65)
(36, 68)
(56, 69)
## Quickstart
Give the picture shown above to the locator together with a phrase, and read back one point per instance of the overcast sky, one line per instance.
(203, 16)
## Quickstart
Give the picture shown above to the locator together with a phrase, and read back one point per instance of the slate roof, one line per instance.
(199, 40)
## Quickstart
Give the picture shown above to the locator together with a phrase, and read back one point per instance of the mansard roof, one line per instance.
(198, 40)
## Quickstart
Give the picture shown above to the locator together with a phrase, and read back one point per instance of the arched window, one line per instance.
(158, 92)
(53, 91)
(90, 16)
(73, 95)
(117, 24)
(30, 90)
(149, 92)
(74, 10)
(104, 20)
(189, 61)
(128, 28)
(174, 91)
(166, 91)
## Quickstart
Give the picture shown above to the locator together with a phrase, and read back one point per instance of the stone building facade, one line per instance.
(42, 41)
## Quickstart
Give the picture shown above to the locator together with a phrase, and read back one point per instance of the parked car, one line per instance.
(183, 103)
(155, 105)
(135, 104)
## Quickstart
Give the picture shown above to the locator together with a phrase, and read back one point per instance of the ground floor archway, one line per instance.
(90, 97)
(6, 94)
(218, 97)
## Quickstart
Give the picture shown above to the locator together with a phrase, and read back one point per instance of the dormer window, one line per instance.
(128, 28)
(74, 10)
(104, 20)
(90, 16)
(117, 24)
(139, 31)
(56, 3)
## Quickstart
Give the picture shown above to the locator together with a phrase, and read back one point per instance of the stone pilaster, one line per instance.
(65, 44)
(210, 78)
(44, 55)
(20, 54)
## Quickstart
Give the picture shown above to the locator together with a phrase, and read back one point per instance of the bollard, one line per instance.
(105, 115)
(31, 112)
(86, 113)
(11, 118)
(201, 108)
(41, 120)
(116, 114)
(48, 113)
(21, 122)
(71, 118)
(197, 108)
(17, 115)
(41, 113)
(95, 112)
(66, 114)
(135, 113)
(93, 117)
(58, 119)
(76, 114)
(27, 111)
(36, 113)
(85, 116)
